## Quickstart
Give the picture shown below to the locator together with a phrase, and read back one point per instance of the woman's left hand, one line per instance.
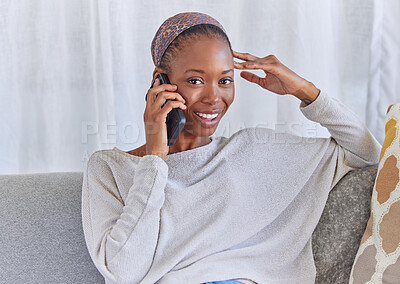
(279, 79)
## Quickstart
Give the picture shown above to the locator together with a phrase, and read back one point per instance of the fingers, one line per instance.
(156, 83)
(268, 63)
(153, 93)
(251, 77)
(169, 106)
(244, 56)
(250, 65)
(161, 100)
(162, 97)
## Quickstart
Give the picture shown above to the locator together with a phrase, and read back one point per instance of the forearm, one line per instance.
(122, 235)
(360, 146)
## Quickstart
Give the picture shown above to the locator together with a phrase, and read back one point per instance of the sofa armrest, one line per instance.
(41, 230)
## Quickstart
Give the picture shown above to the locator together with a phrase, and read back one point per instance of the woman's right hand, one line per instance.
(155, 117)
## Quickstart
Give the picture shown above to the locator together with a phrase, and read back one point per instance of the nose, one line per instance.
(211, 94)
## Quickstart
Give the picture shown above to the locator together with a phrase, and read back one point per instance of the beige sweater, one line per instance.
(238, 207)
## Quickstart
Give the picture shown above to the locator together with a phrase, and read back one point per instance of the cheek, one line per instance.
(229, 96)
(190, 95)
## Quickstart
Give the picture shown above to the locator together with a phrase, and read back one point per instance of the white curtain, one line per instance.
(74, 73)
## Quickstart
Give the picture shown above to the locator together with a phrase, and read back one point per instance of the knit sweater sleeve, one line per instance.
(356, 146)
(121, 235)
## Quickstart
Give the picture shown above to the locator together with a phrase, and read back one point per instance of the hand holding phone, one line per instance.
(165, 105)
(175, 119)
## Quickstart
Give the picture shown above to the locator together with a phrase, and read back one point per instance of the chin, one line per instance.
(202, 126)
(200, 132)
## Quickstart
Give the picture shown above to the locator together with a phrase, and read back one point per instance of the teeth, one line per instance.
(208, 116)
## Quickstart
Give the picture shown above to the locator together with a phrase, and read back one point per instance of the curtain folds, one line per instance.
(74, 73)
(384, 69)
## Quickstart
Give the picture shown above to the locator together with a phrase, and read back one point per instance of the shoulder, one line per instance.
(252, 135)
(266, 136)
(101, 157)
(104, 162)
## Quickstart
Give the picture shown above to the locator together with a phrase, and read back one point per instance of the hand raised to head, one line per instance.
(279, 78)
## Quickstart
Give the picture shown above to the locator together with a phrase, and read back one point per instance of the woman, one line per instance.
(239, 209)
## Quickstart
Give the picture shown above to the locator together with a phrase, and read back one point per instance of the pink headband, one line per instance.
(172, 27)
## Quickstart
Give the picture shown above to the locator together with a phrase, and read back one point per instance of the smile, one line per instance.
(207, 120)
(208, 116)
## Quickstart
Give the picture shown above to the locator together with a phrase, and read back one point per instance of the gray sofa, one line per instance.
(41, 237)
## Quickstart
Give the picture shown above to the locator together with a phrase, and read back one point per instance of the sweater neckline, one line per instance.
(177, 154)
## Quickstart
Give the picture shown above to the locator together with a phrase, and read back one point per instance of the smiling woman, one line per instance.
(224, 210)
(199, 61)
(203, 73)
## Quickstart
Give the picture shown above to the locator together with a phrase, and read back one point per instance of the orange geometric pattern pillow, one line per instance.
(377, 259)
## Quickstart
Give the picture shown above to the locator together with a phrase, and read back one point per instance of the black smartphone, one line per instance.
(175, 118)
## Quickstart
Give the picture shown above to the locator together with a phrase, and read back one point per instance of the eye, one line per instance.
(226, 81)
(194, 81)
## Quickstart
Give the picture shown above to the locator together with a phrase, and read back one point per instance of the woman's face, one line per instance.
(203, 72)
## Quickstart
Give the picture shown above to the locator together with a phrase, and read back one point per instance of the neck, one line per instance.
(187, 141)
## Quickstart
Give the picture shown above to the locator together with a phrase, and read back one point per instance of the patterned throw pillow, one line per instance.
(377, 259)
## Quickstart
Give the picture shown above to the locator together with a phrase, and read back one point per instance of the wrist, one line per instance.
(307, 93)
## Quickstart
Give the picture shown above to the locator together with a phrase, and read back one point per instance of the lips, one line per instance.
(207, 119)
(207, 115)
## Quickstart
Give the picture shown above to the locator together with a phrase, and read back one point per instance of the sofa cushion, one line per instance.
(339, 231)
(378, 257)
(41, 232)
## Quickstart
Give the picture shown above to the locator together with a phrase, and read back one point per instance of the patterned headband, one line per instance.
(174, 26)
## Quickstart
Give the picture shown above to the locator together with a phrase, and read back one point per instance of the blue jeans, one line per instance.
(224, 282)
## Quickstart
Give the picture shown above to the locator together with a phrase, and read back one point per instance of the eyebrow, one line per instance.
(203, 72)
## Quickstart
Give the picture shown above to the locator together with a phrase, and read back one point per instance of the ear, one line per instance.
(156, 71)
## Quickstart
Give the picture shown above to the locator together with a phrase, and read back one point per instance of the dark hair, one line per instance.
(188, 35)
